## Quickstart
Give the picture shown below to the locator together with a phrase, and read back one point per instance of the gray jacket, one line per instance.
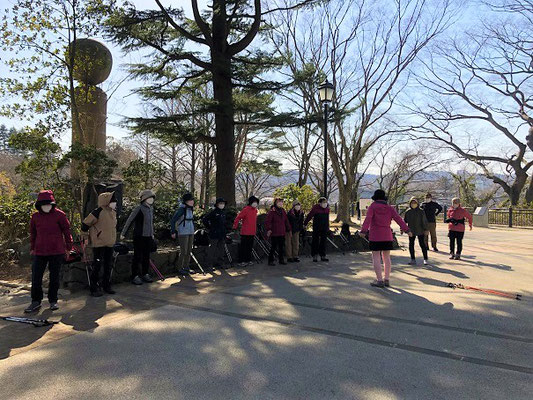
(143, 215)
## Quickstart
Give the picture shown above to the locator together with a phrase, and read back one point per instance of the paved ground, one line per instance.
(318, 331)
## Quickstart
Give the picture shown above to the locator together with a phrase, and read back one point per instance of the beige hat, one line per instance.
(146, 194)
(413, 199)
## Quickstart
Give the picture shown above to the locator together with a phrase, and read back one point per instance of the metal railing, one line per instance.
(511, 217)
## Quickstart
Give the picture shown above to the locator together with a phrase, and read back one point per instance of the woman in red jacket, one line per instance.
(456, 217)
(51, 241)
(248, 218)
(277, 225)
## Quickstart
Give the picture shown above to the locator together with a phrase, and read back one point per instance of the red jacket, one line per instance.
(458, 215)
(50, 233)
(277, 222)
(248, 216)
(378, 219)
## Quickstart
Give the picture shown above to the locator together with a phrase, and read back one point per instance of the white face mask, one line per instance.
(297, 208)
(221, 206)
(254, 205)
(113, 205)
(150, 201)
(428, 199)
(46, 208)
(323, 205)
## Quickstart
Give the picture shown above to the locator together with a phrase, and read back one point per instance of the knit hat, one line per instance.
(187, 197)
(379, 195)
(296, 203)
(45, 197)
(220, 200)
(146, 194)
(253, 199)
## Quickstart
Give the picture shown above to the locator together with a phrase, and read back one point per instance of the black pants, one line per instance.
(141, 255)
(277, 244)
(318, 244)
(37, 271)
(245, 249)
(216, 252)
(102, 256)
(421, 242)
(453, 235)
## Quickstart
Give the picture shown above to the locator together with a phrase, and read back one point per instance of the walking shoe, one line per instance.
(34, 306)
(243, 264)
(324, 259)
(296, 259)
(425, 262)
(137, 280)
(315, 259)
(435, 249)
(379, 284)
(54, 306)
(412, 262)
(184, 271)
(96, 293)
(457, 256)
(452, 256)
(147, 278)
(386, 283)
(249, 263)
(272, 263)
(108, 290)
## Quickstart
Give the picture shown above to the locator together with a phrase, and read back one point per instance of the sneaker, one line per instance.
(315, 259)
(435, 249)
(137, 280)
(147, 278)
(108, 290)
(457, 256)
(324, 259)
(184, 271)
(249, 263)
(54, 306)
(452, 256)
(386, 283)
(96, 293)
(296, 259)
(425, 262)
(412, 262)
(379, 284)
(243, 264)
(34, 306)
(272, 263)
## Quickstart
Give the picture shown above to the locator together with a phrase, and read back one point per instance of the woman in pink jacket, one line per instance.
(456, 227)
(377, 225)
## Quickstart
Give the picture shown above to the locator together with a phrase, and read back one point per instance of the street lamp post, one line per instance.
(325, 94)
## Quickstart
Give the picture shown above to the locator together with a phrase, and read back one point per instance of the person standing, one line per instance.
(215, 223)
(320, 216)
(456, 217)
(182, 226)
(50, 242)
(417, 222)
(142, 217)
(292, 238)
(377, 226)
(431, 209)
(101, 227)
(277, 226)
(247, 217)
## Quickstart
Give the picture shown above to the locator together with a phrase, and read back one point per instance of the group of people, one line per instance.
(51, 239)
(419, 223)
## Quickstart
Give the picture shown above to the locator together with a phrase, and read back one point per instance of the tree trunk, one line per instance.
(345, 201)
(529, 192)
(517, 187)
(193, 167)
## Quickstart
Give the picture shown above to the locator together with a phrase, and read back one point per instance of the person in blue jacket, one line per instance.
(182, 227)
(215, 223)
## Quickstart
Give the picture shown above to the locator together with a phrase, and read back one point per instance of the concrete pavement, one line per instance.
(312, 331)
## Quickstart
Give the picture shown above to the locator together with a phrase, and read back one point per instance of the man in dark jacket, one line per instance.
(215, 223)
(320, 216)
(51, 241)
(292, 238)
(277, 225)
(432, 209)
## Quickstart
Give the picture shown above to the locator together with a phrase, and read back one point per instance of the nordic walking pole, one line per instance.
(228, 254)
(86, 262)
(516, 296)
(197, 263)
(154, 268)
(32, 321)
(334, 245)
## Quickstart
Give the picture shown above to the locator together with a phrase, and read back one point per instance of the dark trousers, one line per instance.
(245, 249)
(37, 271)
(318, 244)
(216, 252)
(277, 244)
(421, 242)
(102, 256)
(141, 255)
(453, 235)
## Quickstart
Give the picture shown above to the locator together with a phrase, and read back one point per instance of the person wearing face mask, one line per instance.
(432, 209)
(142, 217)
(51, 242)
(101, 227)
(247, 217)
(292, 238)
(277, 226)
(215, 223)
(182, 226)
(418, 224)
(320, 216)
(456, 218)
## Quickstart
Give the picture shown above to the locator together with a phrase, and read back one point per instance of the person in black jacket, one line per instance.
(320, 216)
(292, 238)
(432, 209)
(215, 222)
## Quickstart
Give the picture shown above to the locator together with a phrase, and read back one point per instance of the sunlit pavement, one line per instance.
(312, 331)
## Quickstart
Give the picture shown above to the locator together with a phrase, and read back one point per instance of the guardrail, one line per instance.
(511, 217)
